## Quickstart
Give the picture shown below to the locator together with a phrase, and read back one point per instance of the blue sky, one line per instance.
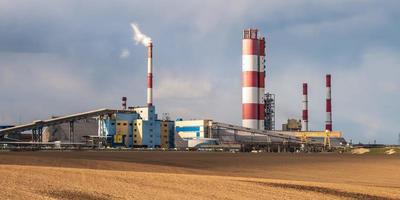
(61, 57)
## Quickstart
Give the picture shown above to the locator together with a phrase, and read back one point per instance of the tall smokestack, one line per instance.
(124, 103)
(328, 123)
(150, 74)
(305, 107)
(253, 80)
(139, 37)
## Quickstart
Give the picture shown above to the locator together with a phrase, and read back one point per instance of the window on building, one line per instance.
(165, 125)
(135, 129)
(135, 124)
(151, 141)
(113, 123)
(151, 130)
(118, 124)
(125, 124)
(135, 135)
(135, 141)
(151, 135)
(130, 124)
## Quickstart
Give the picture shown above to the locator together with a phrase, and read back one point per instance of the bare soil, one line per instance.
(197, 175)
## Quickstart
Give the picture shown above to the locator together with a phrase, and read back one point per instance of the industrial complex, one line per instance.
(140, 127)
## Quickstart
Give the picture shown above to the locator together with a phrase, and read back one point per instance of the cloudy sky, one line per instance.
(62, 57)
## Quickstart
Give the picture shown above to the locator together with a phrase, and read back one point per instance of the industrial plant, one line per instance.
(140, 127)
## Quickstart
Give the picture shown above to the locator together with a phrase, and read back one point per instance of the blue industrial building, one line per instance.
(137, 127)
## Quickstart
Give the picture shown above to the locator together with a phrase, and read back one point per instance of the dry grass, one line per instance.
(193, 175)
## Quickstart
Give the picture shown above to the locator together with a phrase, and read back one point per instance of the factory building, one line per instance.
(61, 132)
(137, 127)
(292, 125)
(192, 133)
(132, 127)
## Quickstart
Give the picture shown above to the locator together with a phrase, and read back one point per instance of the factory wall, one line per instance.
(192, 129)
(191, 132)
(60, 132)
(146, 113)
(167, 134)
(147, 133)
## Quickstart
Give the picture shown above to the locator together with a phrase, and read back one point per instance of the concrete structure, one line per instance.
(292, 125)
(253, 79)
(305, 107)
(328, 123)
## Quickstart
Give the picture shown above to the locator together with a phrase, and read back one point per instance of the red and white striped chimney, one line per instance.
(150, 74)
(305, 107)
(124, 103)
(328, 123)
(253, 80)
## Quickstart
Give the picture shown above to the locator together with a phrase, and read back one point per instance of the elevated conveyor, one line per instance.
(38, 125)
(271, 135)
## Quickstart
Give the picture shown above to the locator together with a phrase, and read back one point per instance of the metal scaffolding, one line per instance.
(269, 109)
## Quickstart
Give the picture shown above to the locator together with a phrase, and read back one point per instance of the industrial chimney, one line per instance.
(150, 74)
(328, 123)
(305, 107)
(253, 80)
(124, 103)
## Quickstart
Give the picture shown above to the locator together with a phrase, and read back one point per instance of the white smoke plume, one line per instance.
(138, 36)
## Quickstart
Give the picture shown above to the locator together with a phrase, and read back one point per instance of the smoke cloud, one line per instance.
(125, 53)
(138, 36)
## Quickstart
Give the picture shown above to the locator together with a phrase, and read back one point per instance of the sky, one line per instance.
(68, 56)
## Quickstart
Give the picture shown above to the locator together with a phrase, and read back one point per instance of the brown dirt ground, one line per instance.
(197, 175)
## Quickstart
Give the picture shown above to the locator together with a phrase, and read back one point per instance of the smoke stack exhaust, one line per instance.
(124, 103)
(328, 123)
(150, 74)
(305, 107)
